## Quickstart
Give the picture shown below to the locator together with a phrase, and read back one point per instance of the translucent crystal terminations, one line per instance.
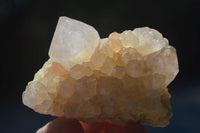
(73, 39)
(118, 79)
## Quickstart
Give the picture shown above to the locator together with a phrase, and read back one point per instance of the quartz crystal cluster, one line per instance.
(117, 79)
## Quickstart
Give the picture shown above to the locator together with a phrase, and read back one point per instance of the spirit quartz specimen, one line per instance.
(118, 79)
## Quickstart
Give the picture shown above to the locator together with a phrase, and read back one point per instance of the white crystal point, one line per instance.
(71, 38)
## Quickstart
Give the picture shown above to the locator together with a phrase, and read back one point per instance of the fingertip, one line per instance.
(112, 128)
(43, 129)
(129, 128)
(135, 128)
(92, 128)
(62, 125)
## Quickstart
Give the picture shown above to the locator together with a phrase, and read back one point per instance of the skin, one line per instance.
(63, 125)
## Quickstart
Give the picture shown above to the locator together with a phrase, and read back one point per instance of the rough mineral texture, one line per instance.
(118, 79)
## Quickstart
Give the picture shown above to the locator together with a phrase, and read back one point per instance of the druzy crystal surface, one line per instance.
(117, 79)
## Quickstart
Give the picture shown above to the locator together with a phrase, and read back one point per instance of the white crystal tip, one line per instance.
(71, 39)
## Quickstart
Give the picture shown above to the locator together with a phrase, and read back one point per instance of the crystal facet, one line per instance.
(118, 79)
(70, 39)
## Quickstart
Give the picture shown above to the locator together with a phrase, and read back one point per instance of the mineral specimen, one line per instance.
(118, 79)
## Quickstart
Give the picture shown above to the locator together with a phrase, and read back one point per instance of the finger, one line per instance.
(92, 128)
(111, 128)
(135, 128)
(62, 125)
(129, 128)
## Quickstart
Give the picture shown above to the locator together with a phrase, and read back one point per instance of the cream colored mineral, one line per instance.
(118, 79)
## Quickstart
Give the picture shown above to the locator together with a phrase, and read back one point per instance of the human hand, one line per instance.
(63, 125)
